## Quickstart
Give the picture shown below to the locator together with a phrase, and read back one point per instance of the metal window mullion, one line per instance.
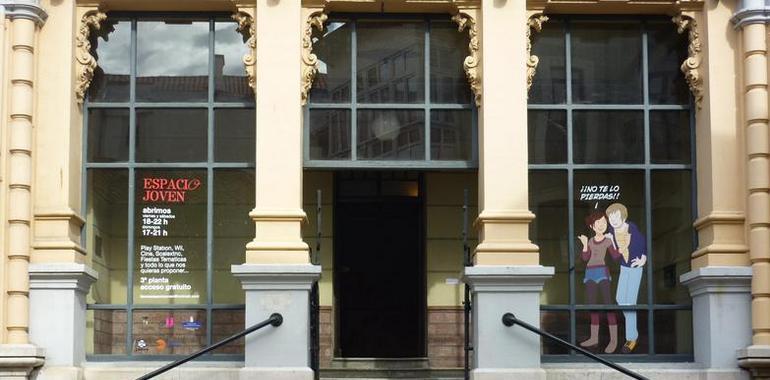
(648, 191)
(353, 91)
(570, 185)
(426, 97)
(131, 192)
(210, 186)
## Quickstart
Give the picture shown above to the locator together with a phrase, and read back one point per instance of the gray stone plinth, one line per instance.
(756, 359)
(278, 352)
(57, 310)
(18, 361)
(502, 352)
(721, 309)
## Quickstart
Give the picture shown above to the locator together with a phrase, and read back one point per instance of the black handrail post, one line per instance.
(509, 320)
(275, 320)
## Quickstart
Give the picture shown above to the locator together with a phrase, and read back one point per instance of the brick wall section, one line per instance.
(446, 337)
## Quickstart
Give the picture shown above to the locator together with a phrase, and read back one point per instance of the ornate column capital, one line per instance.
(534, 23)
(464, 22)
(248, 29)
(26, 9)
(85, 63)
(316, 19)
(692, 62)
(751, 12)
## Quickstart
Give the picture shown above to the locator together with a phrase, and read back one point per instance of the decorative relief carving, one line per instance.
(692, 63)
(471, 62)
(248, 29)
(534, 22)
(85, 62)
(309, 60)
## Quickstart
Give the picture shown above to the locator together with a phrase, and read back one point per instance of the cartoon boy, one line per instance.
(632, 246)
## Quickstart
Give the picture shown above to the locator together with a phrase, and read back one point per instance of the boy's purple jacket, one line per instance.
(638, 246)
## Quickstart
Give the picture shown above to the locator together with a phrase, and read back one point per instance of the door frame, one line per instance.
(422, 251)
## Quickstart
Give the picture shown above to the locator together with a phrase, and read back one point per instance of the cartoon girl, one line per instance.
(597, 277)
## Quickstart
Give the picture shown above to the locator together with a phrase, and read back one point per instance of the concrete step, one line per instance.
(392, 373)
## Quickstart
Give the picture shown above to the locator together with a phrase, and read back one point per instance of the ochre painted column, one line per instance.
(278, 213)
(504, 217)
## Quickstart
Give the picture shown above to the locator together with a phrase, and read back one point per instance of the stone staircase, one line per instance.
(381, 369)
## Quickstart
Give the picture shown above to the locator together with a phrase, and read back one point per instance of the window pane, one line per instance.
(547, 137)
(584, 320)
(231, 82)
(170, 230)
(391, 135)
(667, 50)
(549, 230)
(233, 228)
(602, 274)
(168, 332)
(550, 84)
(105, 332)
(107, 135)
(390, 62)
(608, 137)
(673, 332)
(332, 47)
(171, 135)
(111, 45)
(448, 49)
(672, 234)
(329, 135)
(670, 137)
(234, 135)
(606, 63)
(226, 323)
(555, 323)
(450, 135)
(106, 234)
(172, 60)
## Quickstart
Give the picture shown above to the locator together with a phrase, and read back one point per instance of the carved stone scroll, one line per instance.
(85, 62)
(692, 63)
(310, 60)
(471, 62)
(534, 22)
(248, 28)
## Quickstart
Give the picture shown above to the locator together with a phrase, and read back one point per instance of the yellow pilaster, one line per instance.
(504, 217)
(278, 212)
(22, 74)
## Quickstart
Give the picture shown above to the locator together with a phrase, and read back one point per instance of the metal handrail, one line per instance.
(275, 320)
(509, 320)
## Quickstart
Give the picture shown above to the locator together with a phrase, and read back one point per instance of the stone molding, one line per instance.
(248, 28)
(534, 23)
(499, 278)
(85, 62)
(316, 19)
(276, 276)
(615, 6)
(717, 279)
(751, 12)
(471, 62)
(692, 63)
(26, 9)
(17, 361)
(78, 277)
(756, 359)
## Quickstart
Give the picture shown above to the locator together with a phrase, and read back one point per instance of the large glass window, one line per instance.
(169, 157)
(390, 93)
(611, 183)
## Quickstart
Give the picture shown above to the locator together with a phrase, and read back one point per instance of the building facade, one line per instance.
(174, 171)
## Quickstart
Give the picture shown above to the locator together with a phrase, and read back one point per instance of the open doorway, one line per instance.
(379, 265)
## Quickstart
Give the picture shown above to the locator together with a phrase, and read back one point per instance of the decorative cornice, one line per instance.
(471, 63)
(26, 9)
(85, 62)
(534, 22)
(248, 28)
(316, 19)
(692, 63)
(751, 12)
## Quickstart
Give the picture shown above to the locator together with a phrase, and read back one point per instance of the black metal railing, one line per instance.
(509, 320)
(275, 320)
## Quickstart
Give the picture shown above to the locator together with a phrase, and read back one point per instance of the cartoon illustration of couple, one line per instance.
(624, 243)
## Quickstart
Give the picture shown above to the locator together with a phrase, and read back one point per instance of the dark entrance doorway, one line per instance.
(379, 265)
